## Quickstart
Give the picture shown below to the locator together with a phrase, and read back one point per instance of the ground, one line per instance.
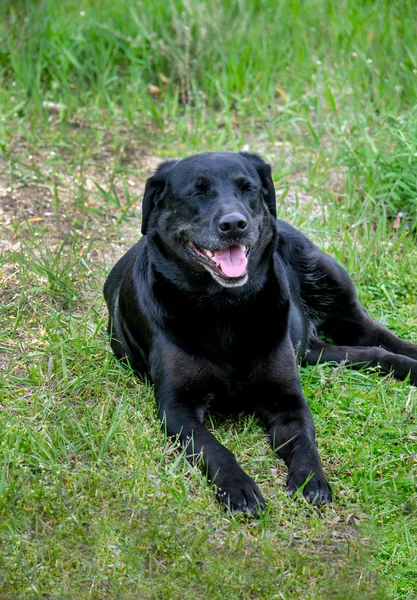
(95, 502)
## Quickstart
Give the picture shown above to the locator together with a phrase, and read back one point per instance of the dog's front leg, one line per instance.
(292, 436)
(289, 424)
(181, 415)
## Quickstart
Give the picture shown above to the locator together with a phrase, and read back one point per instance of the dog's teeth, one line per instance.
(209, 253)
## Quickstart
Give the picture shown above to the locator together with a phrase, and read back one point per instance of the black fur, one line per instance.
(208, 341)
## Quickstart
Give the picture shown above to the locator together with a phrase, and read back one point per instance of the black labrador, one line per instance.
(214, 305)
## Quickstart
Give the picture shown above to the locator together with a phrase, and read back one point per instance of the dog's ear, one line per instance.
(265, 173)
(154, 190)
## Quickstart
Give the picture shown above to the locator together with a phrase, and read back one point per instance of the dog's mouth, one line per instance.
(229, 265)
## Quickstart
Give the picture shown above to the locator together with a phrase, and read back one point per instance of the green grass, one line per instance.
(94, 501)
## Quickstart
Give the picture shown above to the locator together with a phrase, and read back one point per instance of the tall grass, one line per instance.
(329, 68)
(247, 55)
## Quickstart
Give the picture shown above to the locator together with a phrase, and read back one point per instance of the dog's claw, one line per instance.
(316, 491)
(241, 495)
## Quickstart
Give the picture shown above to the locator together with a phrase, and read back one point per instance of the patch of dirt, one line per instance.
(55, 201)
(45, 197)
(293, 194)
(4, 361)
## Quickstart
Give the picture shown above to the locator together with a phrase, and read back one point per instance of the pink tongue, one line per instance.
(232, 261)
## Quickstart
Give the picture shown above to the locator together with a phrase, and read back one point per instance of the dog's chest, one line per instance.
(233, 336)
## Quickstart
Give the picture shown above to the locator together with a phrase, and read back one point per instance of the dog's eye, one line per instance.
(243, 184)
(202, 184)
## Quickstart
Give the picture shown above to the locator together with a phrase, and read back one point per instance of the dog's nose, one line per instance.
(232, 224)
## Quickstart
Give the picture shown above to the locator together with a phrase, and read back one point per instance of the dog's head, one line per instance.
(210, 210)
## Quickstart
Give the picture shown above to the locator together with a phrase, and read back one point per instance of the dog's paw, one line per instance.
(314, 488)
(240, 494)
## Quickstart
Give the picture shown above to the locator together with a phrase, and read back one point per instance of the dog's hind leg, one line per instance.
(351, 325)
(375, 334)
(359, 357)
(333, 304)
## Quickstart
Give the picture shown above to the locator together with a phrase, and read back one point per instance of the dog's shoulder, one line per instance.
(322, 280)
(292, 245)
(124, 268)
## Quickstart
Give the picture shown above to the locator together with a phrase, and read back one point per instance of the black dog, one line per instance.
(214, 303)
